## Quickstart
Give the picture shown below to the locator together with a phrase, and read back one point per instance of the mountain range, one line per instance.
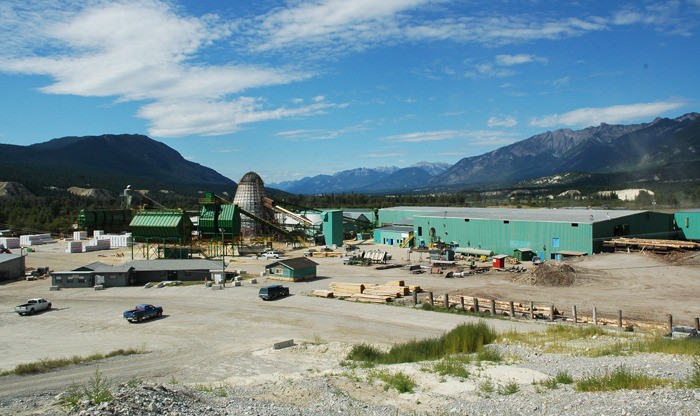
(664, 149)
(110, 162)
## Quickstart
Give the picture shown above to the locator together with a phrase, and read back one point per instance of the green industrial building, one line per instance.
(548, 233)
(688, 222)
(295, 269)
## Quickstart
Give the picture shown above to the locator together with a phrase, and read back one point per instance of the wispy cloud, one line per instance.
(320, 134)
(614, 114)
(519, 59)
(476, 137)
(505, 121)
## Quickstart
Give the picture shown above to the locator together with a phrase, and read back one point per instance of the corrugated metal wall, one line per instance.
(689, 224)
(504, 236)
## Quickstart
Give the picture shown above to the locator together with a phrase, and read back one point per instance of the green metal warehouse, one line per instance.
(689, 223)
(550, 233)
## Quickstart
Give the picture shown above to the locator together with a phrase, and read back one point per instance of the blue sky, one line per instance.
(300, 88)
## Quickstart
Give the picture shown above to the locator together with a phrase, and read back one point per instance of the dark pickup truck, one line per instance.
(143, 311)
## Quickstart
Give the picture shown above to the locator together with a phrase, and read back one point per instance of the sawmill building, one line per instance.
(548, 233)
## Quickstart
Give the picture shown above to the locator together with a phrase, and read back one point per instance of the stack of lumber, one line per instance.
(368, 292)
(322, 293)
(361, 297)
(346, 289)
(328, 254)
(387, 290)
(651, 244)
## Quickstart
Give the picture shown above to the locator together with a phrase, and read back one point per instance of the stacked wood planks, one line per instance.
(368, 292)
(322, 293)
(346, 289)
(650, 244)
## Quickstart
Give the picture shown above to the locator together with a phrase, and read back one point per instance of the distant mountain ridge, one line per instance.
(108, 161)
(664, 149)
(368, 180)
(602, 149)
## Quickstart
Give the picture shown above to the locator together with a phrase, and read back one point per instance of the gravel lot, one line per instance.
(223, 339)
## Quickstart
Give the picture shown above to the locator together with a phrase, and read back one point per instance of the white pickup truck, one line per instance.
(32, 306)
(272, 254)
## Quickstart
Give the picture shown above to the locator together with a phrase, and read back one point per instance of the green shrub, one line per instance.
(619, 379)
(452, 366)
(399, 381)
(463, 339)
(509, 388)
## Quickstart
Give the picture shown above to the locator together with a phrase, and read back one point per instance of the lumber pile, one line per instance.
(657, 245)
(327, 254)
(346, 289)
(369, 292)
(361, 297)
(322, 293)
(387, 290)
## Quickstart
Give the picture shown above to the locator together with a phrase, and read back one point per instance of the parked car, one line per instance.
(273, 292)
(271, 254)
(143, 311)
(32, 306)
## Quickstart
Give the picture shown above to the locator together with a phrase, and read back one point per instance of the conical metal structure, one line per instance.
(249, 197)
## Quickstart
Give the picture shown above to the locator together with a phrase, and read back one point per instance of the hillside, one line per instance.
(110, 162)
(648, 148)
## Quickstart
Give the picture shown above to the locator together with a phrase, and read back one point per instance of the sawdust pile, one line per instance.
(549, 274)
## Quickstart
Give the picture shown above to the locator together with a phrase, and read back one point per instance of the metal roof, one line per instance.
(294, 263)
(174, 264)
(578, 215)
(8, 257)
(100, 267)
(399, 228)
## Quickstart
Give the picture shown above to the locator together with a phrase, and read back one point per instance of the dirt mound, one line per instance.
(682, 258)
(13, 189)
(94, 192)
(549, 274)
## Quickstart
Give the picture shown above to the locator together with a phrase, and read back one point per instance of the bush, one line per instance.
(463, 339)
(619, 379)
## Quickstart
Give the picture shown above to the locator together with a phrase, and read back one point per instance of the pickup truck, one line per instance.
(32, 306)
(143, 311)
(271, 254)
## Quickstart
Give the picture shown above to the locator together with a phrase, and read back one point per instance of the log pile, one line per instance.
(648, 244)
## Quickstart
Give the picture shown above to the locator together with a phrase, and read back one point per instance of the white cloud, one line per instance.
(506, 121)
(143, 50)
(476, 137)
(614, 114)
(320, 134)
(519, 59)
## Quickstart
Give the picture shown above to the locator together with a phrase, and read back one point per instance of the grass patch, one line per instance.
(619, 379)
(509, 388)
(463, 339)
(657, 344)
(488, 354)
(218, 390)
(562, 377)
(453, 366)
(399, 381)
(96, 391)
(46, 365)
(487, 387)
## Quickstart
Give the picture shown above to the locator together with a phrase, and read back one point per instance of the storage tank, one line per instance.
(249, 196)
